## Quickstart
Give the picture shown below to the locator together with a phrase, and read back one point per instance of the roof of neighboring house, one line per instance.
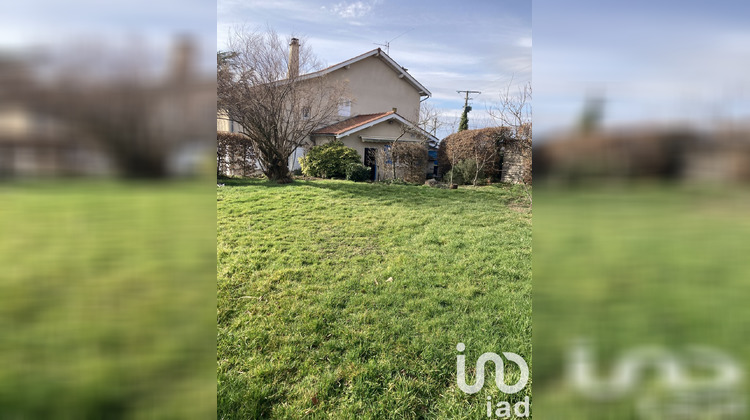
(351, 123)
(360, 122)
(402, 73)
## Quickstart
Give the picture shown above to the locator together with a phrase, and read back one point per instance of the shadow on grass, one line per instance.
(385, 193)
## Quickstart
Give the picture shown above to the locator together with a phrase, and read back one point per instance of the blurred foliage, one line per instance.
(107, 300)
(622, 266)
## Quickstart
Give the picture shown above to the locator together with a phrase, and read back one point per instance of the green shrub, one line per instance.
(329, 160)
(463, 173)
(357, 172)
(453, 176)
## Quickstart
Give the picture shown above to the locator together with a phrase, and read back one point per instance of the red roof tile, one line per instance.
(350, 123)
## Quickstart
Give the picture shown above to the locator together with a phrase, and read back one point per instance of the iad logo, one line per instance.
(521, 408)
(499, 372)
(694, 383)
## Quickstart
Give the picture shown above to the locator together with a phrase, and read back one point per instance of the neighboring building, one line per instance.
(33, 144)
(384, 106)
(224, 124)
(40, 137)
(369, 133)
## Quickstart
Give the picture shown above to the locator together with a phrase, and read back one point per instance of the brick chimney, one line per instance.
(293, 69)
(183, 58)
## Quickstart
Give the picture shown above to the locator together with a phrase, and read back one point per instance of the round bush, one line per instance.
(329, 160)
(357, 172)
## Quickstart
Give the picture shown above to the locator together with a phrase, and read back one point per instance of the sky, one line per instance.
(658, 60)
(155, 24)
(446, 45)
(652, 62)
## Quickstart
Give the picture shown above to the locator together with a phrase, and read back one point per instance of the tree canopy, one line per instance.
(276, 108)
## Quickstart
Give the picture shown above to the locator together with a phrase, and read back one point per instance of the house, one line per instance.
(154, 128)
(33, 142)
(369, 133)
(382, 107)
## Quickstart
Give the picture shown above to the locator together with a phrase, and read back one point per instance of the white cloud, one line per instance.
(357, 9)
(423, 56)
(519, 65)
(524, 42)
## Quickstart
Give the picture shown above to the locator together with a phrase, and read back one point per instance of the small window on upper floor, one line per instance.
(345, 108)
(305, 112)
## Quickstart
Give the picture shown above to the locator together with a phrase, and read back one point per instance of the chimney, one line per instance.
(183, 58)
(293, 70)
(394, 109)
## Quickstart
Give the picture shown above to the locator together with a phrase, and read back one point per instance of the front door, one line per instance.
(370, 159)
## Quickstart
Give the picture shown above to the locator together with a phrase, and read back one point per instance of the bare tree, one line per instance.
(116, 100)
(401, 153)
(480, 147)
(447, 157)
(260, 88)
(514, 110)
(410, 155)
(429, 118)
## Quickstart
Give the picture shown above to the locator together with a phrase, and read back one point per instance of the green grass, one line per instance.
(634, 265)
(310, 325)
(106, 300)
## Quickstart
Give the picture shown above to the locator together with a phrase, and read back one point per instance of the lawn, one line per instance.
(107, 300)
(343, 300)
(623, 267)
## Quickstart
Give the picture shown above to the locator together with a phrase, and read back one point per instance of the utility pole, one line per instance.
(464, 124)
(467, 92)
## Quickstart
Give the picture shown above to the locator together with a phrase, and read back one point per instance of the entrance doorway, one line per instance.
(370, 162)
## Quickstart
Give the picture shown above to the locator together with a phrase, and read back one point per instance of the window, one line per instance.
(345, 108)
(306, 113)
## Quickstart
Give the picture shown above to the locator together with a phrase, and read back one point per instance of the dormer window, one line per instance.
(345, 108)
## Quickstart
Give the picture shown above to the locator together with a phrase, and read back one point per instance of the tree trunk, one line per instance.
(278, 171)
(136, 166)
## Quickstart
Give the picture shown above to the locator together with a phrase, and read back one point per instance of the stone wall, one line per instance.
(514, 169)
(516, 162)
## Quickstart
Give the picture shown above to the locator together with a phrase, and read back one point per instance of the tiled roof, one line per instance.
(351, 123)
